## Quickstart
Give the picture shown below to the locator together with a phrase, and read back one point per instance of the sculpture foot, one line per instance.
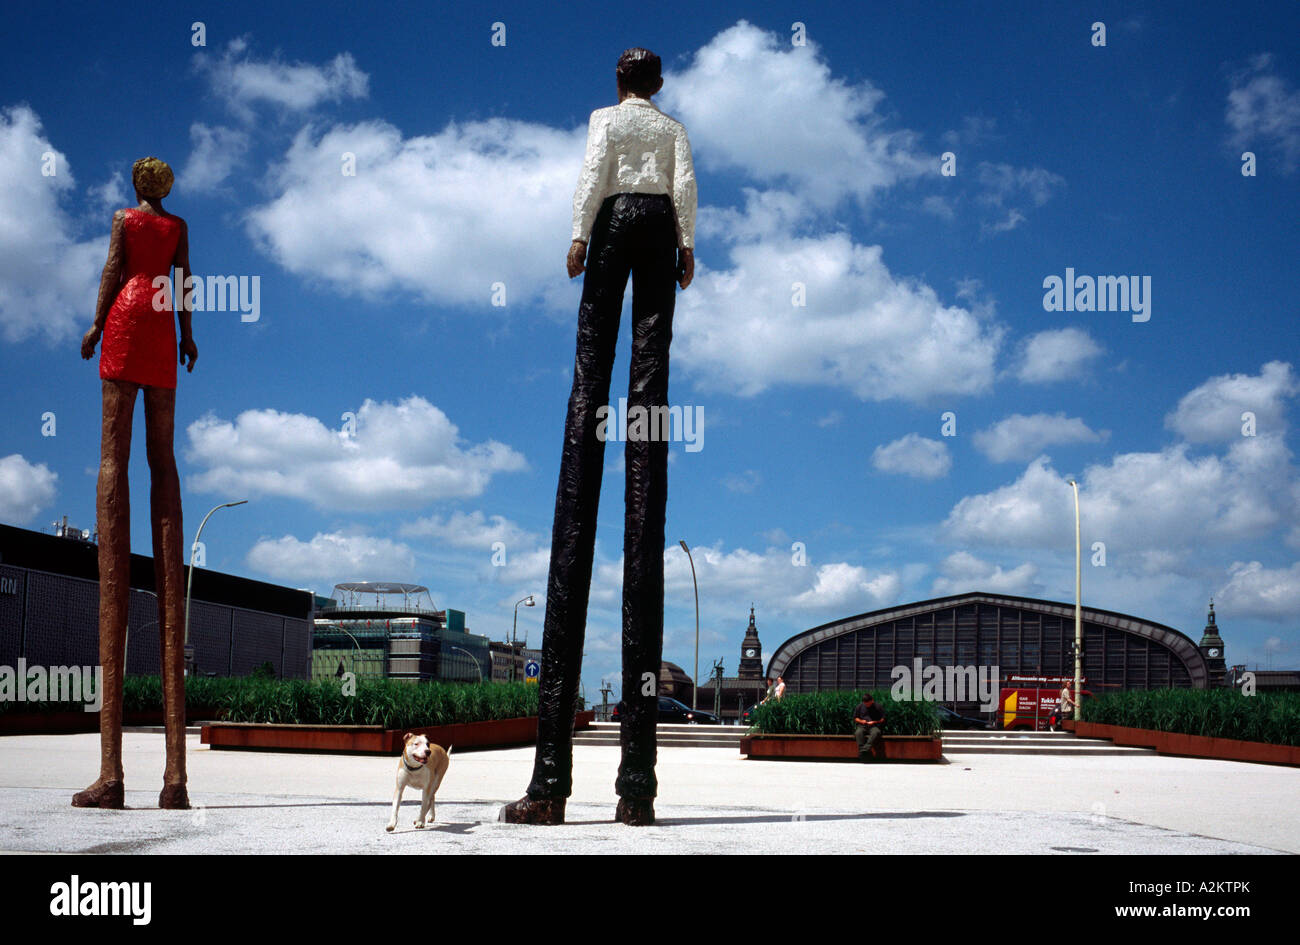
(109, 795)
(636, 811)
(526, 810)
(174, 797)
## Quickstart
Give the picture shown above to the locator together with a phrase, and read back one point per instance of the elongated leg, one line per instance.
(573, 535)
(113, 521)
(169, 574)
(646, 496)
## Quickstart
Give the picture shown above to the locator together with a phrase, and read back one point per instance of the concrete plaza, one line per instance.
(711, 800)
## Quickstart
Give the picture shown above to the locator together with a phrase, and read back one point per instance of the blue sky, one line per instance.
(389, 422)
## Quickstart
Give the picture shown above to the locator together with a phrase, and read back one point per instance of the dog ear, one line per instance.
(406, 738)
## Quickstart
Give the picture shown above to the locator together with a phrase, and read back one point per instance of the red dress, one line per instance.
(139, 342)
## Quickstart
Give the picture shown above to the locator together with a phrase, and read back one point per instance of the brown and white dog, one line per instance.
(423, 766)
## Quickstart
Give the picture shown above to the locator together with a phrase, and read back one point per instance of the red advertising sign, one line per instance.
(1029, 701)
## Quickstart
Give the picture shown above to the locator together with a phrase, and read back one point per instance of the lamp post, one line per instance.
(695, 680)
(1078, 606)
(471, 659)
(356, 650)
(189, 580)
(514, 654)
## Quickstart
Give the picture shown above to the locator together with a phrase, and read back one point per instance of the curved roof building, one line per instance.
(1018, 635)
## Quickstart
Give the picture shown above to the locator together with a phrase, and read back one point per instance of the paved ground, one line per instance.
(710, 800)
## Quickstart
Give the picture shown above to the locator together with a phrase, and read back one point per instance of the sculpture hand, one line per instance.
(685, 267)
(89, 341)
(577, 255)
(188, 350)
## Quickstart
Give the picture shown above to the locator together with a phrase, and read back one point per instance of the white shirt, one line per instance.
(633, 147)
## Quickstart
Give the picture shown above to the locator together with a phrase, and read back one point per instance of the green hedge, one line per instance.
(831, 713)
(383, 702)
(1220, 713)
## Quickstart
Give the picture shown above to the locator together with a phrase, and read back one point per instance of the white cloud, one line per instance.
(962, 571)
(845, 586)
(1139, 502)
(214, 153)
(913, 455)
(1058, 354)
(745, 482)
(1020, 437)
(1004, 184)
(1264, 110)
(752, 101)
(1213, 411)
(862, 329)
(25, 488)
(244, 82)
(470, 530)
(1256, 591)
(332, 557)
(442, 216)
(742, 575)
(111, 195)
(48, 279)
(403, 455)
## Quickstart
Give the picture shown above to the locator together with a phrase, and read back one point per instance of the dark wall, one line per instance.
(52, 620)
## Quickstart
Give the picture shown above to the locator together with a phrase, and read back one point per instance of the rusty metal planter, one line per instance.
(73, 722)
(1195, 746)
(373, 739)
(841, 747)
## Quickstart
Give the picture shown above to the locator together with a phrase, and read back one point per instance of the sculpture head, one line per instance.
(638, 73)
(152, 178)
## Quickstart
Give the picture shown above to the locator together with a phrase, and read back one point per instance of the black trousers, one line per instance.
(636, 234)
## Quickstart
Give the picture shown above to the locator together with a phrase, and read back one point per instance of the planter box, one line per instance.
(1195, 746)
(74, 722)
(841, 747)
(374, 739)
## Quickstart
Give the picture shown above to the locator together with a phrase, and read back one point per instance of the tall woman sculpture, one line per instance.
(134, 318)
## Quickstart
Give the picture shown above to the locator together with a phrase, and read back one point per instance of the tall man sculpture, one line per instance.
(635, 202)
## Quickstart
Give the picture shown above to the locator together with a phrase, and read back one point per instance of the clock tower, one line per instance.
(751, 652)
(1212, 649)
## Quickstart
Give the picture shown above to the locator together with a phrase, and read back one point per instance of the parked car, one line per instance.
(747, 715)
(670, 710)
(950, 719)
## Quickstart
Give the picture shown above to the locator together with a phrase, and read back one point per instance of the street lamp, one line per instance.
(471, 659)
(514, 637)
(695, 680)
(189, 580)
(1078, 608)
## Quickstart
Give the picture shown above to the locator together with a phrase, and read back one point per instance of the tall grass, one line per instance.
(385, 702)
(831, 713)
(1221, 713)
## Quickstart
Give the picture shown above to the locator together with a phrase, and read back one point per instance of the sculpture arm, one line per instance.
(685, 195)
(591, 182)
(184, 310)
(110, 281)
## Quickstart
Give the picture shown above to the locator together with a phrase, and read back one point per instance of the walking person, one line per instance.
(633, 214)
